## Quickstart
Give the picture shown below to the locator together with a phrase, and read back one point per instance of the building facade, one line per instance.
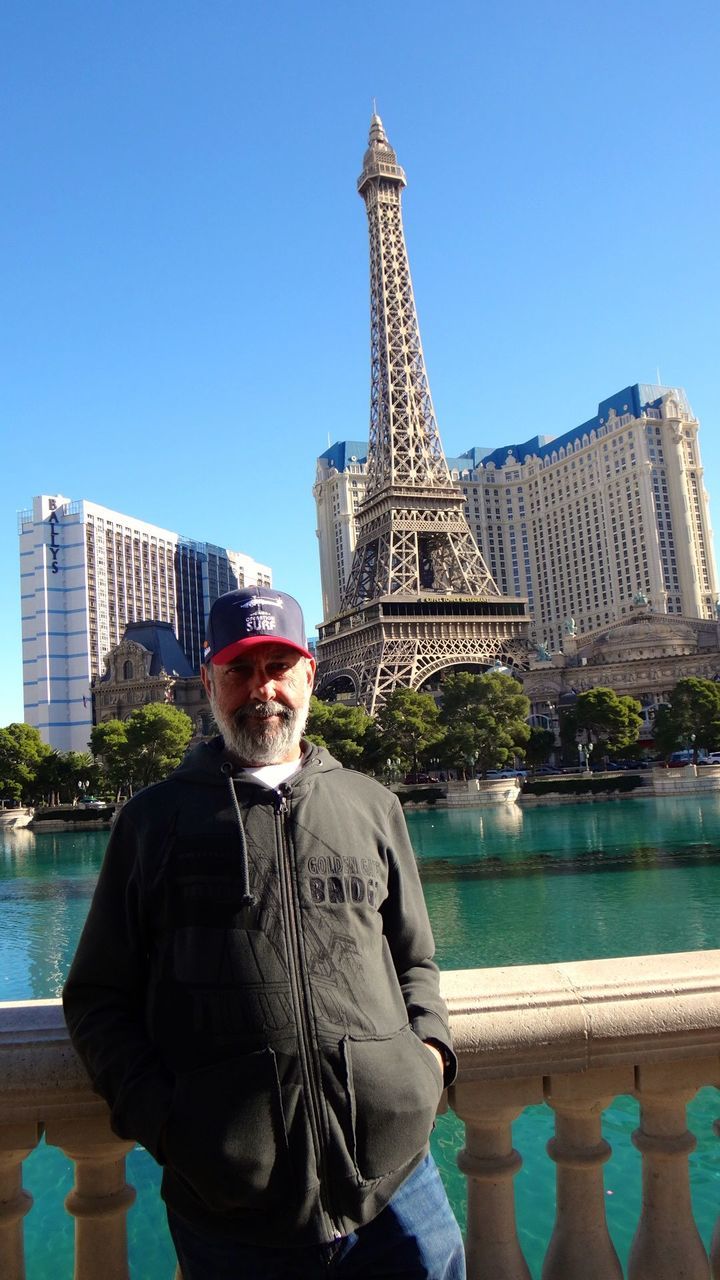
(147, 666)
(579, 524)
(643, 655)
(86, 572)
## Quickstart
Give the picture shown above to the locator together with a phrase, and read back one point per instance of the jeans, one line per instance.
(415, 1237)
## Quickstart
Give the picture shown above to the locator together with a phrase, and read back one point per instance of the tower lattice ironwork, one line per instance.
(419, 596)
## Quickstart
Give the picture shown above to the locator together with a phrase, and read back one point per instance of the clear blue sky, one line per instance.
(183, 254)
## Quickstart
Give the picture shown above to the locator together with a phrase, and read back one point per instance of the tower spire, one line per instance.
(425, 543)
(419, 596)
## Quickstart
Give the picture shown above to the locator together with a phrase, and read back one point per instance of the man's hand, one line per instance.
(438, 1057)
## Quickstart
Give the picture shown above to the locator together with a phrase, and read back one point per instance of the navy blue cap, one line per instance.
(239, 620)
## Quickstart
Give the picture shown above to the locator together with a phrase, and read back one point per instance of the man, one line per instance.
(254, 991)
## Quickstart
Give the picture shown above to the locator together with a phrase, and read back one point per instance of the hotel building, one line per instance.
(583, 524)
(85, 573)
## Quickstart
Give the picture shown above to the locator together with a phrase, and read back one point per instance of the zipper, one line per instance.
(298, 978)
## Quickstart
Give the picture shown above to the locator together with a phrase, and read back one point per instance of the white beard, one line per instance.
(250, 735)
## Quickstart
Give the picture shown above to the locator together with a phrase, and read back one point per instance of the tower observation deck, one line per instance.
(419, 596)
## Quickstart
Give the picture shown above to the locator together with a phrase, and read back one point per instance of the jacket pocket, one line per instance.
(394, 1086)
(226, 1133)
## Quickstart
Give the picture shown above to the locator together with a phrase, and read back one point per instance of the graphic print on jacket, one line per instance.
(229, 961)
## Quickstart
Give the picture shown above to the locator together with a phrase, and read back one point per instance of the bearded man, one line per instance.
(254, 992)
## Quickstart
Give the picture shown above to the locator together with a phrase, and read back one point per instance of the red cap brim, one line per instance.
(223, 656)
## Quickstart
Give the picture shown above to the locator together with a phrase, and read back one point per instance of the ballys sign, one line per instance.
(54, 545)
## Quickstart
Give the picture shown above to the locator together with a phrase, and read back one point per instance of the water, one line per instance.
(507, 886)
(575, 882)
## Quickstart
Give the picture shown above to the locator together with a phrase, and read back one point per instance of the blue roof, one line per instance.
(343, 452)
(167, 656)
(634, 399)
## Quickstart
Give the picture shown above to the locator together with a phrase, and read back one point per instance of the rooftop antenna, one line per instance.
(659, 379)
(374, 102)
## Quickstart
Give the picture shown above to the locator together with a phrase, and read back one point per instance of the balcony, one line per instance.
(571, 1036)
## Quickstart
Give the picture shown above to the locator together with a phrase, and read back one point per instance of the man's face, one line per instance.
(260, 702)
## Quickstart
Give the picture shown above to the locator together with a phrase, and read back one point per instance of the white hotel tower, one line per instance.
(87, 571)
(583, 524)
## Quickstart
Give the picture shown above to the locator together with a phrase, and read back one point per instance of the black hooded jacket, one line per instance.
(251, 992)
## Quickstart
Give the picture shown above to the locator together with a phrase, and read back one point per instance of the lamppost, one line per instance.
(588, 756)
(694, 753)
(581, 754)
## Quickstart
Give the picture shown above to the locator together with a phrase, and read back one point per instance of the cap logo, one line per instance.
(277, 603)
(261, 621)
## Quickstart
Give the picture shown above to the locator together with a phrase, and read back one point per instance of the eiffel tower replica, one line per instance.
(419, 597)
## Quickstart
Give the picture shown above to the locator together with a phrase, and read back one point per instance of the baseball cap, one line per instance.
(239, 620)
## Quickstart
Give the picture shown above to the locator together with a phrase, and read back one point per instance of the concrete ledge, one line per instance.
(540, 1019)
(509, 1022)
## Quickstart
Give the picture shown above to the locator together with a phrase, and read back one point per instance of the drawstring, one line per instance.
(248, 898)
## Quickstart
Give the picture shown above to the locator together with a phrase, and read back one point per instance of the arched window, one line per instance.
(127, 670)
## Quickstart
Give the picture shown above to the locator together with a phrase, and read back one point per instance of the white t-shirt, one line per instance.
(271, 775)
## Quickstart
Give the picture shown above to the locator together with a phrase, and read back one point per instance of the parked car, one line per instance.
(506, 773)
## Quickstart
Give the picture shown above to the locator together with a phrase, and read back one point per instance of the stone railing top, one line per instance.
(40, 1073)
(540, 1019)
(507, 1022)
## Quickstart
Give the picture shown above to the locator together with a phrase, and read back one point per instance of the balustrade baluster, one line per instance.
(667, 1244)
(100, 1198)
(489, 1162)
(16, 1143)
(580, 1247)
(715, 1246)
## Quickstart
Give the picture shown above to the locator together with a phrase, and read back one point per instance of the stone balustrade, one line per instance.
(574, 1036)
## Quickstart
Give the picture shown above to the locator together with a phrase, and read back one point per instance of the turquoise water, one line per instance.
(509, 886)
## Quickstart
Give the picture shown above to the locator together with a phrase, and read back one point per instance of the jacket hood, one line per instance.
(209, 763)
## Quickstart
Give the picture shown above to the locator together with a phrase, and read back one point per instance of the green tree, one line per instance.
(694, 709)
(486, 720)
(109, 746)
(539, 746)
(21, 752)
(80, 775)
(48, 778)
(613, 719)
(342, 729)
(407, 726)
(64, 777)
(157, 736)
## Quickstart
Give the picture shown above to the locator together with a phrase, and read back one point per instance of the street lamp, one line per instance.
(588, 756)
(692, 740)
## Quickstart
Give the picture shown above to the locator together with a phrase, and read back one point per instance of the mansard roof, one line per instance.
(633, 400)
(344, 452)
(160, 640)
